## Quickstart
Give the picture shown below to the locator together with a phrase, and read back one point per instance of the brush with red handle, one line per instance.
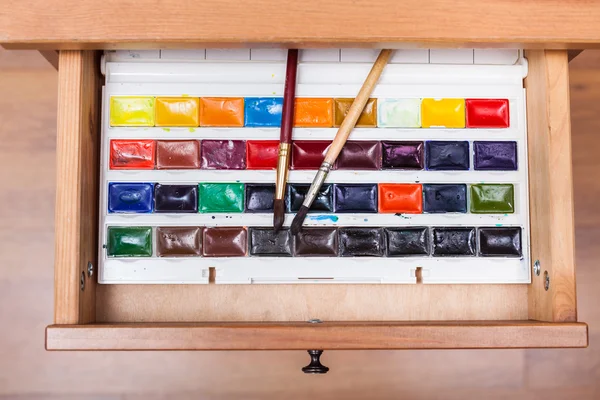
(285, 141)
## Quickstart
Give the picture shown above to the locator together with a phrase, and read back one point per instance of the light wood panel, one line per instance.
(76, 215)
(550, 186)
(325, 336)
(183, 303)
(77, 24)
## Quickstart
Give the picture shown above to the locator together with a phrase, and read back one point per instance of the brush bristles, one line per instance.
(278, 214)
(299, 220)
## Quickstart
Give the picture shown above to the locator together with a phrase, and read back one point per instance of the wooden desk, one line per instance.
(549, 319)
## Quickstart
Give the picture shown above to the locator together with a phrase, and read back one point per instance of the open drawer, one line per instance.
(89, 316)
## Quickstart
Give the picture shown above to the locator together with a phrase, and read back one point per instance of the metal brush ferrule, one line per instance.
(316, 184)
(283, 162)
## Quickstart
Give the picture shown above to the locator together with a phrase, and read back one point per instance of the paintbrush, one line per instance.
(341, 136)
(285, 140)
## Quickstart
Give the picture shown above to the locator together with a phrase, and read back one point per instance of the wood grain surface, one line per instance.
(75, 24)
(550, 187)
(27, 371)
(324, 336)
(183, 303)
(76, 213)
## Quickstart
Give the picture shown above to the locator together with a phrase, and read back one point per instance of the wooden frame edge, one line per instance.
(495, 22)
(550, 187)
(77, 173)
(325, 336)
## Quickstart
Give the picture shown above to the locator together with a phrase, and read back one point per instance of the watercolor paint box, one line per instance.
(191, 147)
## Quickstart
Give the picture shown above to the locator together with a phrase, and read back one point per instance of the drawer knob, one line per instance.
(315, 366)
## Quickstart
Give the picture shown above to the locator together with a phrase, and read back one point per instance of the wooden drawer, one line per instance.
(223, 317)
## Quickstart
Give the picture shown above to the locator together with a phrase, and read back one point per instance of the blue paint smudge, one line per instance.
(498, 225)
(332, 218)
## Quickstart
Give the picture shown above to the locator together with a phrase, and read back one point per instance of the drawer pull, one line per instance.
(315, 366)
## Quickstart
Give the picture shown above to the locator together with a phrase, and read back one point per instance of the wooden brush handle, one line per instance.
(357, 107)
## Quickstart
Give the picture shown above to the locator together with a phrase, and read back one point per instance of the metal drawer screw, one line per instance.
(546, 280)
(537, 267)
(90, 269)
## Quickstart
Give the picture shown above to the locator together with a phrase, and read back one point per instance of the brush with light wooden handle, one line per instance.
(341, 136)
